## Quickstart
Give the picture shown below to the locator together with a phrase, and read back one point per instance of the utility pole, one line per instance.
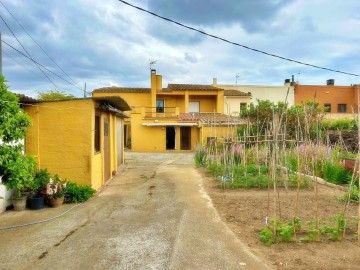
(1, 73)
(85, 90)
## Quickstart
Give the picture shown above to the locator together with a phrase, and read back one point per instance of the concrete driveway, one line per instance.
(153, 215)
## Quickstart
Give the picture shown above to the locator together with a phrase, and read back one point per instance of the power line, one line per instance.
(22, 65)
(28, 53)
(40, 64)
(235, 43)
(35, 41)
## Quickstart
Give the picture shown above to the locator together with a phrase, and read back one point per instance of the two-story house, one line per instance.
(173, 118)
(335, 99)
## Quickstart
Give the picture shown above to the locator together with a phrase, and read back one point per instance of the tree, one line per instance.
(16, 169)
(299, 119)
(54, 95)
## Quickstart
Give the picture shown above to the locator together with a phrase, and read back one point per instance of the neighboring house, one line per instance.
(336, 100)
(78, 139)
(173, 118)
(235, 101)
(263, 92)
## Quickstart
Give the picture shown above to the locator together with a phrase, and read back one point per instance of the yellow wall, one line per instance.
(60, 141)
(207, 104)
(218, 132)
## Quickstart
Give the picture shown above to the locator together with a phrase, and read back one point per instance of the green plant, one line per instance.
(354, 195)
(41, 179)
(17, 170)
(285, 232)
(267, 237)
(56, 188)
(200, 155)
(78, 194)
(313, 233)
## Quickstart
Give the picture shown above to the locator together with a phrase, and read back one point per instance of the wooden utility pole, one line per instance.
(1, 73)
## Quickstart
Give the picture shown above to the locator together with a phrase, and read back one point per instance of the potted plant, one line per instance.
(17, 173)
(41, 179)
(56, 190)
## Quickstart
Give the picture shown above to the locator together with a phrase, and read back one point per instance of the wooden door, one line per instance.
(107, 174)
(185, 138)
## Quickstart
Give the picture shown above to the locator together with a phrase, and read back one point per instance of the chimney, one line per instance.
(330, 82)
(153, 85)
(214, 81)
(158, 82)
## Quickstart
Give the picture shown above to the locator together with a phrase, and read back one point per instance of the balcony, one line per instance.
(160, 112)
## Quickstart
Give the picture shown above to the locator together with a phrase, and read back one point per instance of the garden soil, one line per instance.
(245, 212)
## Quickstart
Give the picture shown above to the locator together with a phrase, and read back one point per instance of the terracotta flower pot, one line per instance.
(56, 202)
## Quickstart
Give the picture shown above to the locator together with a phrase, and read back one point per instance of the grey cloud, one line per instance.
(252, 15)
(190, 57)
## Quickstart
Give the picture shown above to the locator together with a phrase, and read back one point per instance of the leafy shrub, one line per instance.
(342, 123)
(335, 173)
(78, 194)
(41, 179)
(267, 237)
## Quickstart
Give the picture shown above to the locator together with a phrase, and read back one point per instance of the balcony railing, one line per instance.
(161, 112)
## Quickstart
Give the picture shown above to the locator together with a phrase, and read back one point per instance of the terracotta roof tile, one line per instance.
(211, 118)
(235, 93)
(179, 87)
(115, 89)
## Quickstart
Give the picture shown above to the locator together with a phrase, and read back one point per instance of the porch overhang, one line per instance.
(157, 124)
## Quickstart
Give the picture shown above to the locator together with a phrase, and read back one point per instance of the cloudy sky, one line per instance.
(104, 43)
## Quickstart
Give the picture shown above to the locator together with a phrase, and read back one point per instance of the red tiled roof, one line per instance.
(235, 93)
(211, 118)
(115, 89)
(179, 87)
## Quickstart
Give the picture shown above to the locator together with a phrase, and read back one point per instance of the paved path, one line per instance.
(153, 215)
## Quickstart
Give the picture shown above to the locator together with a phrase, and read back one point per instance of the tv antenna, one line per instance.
(237, 78)
(152, 62)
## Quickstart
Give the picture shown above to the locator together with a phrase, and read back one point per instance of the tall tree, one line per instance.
(54, 95)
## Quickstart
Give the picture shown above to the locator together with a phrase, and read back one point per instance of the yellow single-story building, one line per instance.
(78, 139)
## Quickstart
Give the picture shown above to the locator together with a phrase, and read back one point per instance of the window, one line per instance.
(242, 106)
(327, 107)
(342, 108)
(194, 106)
(97, 133)
(160, 105)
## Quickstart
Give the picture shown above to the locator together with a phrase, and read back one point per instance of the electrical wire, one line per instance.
(39, 64)
(235, 43)
(8, 27)
(21, 65)
(36, 42)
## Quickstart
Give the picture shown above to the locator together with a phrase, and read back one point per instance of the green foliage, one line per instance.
(54, 95)
(200, 155)
(41, 179)
(13, 121)
(313, 233)
(78, 194)
(335, 173)
(267, 236)
(338, 124)
(352, 195)
(297, 118)
(17, 170)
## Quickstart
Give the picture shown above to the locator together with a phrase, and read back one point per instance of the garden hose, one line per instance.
(40, 221)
